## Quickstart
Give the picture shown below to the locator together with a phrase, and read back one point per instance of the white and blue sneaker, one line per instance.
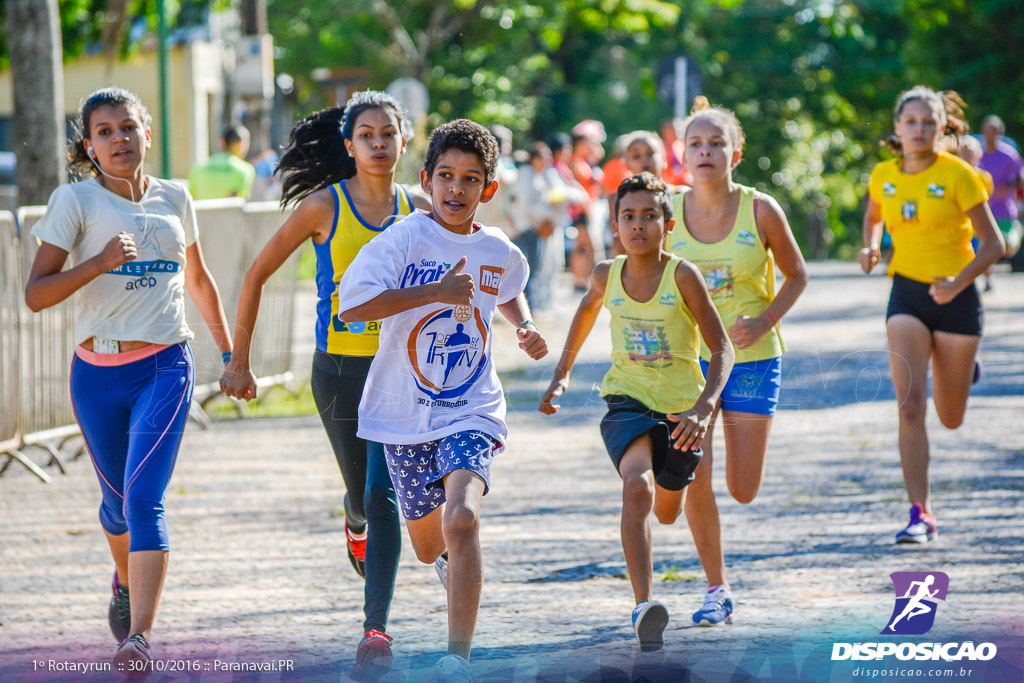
(649, 621)
(441, 567)
(452, 668)
(717, 608)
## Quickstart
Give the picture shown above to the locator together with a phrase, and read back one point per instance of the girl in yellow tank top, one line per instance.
(339, 169)
(736, 236)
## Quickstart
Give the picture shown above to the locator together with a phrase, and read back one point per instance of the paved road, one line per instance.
(258, 568)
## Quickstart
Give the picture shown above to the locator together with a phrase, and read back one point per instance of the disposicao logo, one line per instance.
(917, 596)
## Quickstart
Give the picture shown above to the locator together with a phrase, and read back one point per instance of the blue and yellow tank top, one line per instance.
(739, 271)
(654, 344)
(348, 235)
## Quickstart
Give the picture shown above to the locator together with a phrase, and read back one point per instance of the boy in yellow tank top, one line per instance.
(659, 406)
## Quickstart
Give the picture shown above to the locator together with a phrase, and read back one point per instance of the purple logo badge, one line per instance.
(916, 596)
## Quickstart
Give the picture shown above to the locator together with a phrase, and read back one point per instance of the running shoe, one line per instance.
(356, 550)
(441, 567)
(452, 669)
(921, 529)
(133, 658)
(373, 656)
(120, 613)
(649, 621)
(717, 608)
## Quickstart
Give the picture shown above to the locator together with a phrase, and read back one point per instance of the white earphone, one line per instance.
(92, 153)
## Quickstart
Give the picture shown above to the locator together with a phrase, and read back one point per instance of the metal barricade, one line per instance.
(36, 349)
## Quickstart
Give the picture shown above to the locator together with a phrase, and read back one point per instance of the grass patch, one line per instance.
(335, 514)
(675, 573)
(74, 532)
(275, 402)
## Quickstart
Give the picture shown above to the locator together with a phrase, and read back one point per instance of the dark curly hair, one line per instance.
(79, 162)
(646, 182)
(316, 156)
(465, 136)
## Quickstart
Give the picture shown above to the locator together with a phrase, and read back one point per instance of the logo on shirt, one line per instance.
(888, 190)
(617, 302)
(909, 211)
(936, 190)
(719, 280)
(490, 279)
(447, 351)
(646, 342)
(667, 299)
(746, 238)
(422, 272)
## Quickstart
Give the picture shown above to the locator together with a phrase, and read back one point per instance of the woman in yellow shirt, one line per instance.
(340, 169)
(735, 235)
(929, 200)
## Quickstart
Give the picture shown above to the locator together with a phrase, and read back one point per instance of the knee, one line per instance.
(951, 419)
(667, 517)
(426, 551)
(380, 502)
(460, 521)
(742, 495)
(637, 494)
(912, 409)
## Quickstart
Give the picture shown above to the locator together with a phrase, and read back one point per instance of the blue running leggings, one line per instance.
(132, 417)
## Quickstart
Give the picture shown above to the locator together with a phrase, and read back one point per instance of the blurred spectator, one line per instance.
(587, 153)
(538, 192)
(227, 173)
(498, 211)
(969, 149)
(1004, 164)
(675, 172)
(267, 186)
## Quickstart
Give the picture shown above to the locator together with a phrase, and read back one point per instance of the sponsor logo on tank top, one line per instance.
(746, 238)
(617, 302)
(646, 343)
(719, 280)
(667, 299)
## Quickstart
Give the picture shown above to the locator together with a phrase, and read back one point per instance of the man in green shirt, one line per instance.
(226, 174)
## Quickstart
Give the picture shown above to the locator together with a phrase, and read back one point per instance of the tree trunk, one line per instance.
(40, 136)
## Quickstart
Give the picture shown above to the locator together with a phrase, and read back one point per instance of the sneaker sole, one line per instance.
(650, 630)
(371, 664)
(125, 655)
(707, 622)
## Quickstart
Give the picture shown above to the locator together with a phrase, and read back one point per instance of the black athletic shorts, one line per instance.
(963, 315)
(627, 420)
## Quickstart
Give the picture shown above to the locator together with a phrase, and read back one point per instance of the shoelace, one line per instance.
(713, 601)
(123, 604)
(139, 640)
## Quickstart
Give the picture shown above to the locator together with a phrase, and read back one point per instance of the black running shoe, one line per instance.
(120, 613)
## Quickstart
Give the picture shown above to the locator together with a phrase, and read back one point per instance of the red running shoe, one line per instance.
(373, 656)
(356, 551)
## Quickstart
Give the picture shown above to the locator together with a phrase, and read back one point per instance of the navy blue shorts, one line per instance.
(752, 387)
(418, 470)
(627, 420)
(963, 315)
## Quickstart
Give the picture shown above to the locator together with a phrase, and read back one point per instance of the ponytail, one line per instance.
(316, 156)
(947, 105)
(720, 116)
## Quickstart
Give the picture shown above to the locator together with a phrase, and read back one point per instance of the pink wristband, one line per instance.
(772, 316)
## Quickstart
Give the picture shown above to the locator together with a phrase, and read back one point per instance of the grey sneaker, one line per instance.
(133, 658)
(649, 621)
(441, 567)
(119, 615)
(452, 669)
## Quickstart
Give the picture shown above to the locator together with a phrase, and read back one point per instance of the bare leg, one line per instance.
(702, 514)
(910, 346)
(119, 551)
(952, 372)
(746, 445)
(637, 503)
(146, 571)
(461, 528)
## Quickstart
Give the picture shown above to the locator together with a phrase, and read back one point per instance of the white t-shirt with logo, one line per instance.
(433, 375)
(140, 300)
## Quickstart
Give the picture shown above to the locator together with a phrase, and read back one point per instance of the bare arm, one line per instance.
(871, 254)
(517, 312)
(454, 288)
(312, 217)
(989, 250)
(47, 285)
(694, 423)
(582, 324)
(203, 290)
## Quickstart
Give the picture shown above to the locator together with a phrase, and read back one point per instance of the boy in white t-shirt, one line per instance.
(432, 396)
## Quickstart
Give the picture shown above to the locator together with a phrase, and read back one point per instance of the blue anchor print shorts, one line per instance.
(418, 470)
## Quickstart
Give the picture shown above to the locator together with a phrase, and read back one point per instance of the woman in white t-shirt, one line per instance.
(134, 250)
